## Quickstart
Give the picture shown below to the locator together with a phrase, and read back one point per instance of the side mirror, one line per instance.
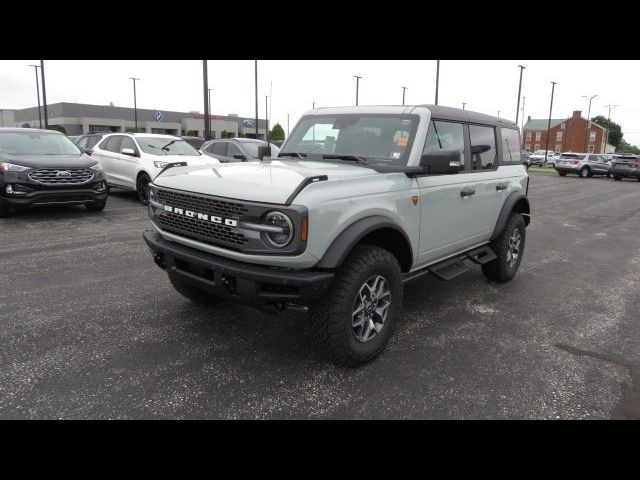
(264, 151)
(88, 151)
(239, 157)
(444, 161)
(128, 151)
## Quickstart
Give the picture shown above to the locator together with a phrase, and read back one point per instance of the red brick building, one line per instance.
(573, 134)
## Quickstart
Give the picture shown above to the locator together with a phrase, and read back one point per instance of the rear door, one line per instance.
(128, 166)
(107, 153)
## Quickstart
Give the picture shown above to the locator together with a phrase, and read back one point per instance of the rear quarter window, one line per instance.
(510, 146)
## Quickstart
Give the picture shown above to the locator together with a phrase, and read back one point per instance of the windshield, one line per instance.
(166, 146)
(36, 143)
(252, 148)
(377, 137)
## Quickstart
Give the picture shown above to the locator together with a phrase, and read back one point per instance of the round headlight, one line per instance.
(283, 237)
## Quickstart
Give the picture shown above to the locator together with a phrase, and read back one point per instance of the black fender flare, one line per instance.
(350, 236)
(511, 201)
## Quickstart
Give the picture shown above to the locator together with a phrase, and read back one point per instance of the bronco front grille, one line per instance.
(205, 231)
(61, 176)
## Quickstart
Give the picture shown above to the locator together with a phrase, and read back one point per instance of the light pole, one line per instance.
(135, 102)
(463, 105)
(519, 91)
(210, 112)
(287, 125)
(586, 132)
(546, 150)
(437, 79)
(498, 113)
(522, 119)
(608, 125)
(44, 95)
(256, 75)
(357, 87)
(36, 67)
(404, 89)
(266, 114)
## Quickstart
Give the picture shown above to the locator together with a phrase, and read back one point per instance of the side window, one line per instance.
(445, 136)
(82, 143)
(127, 142)
(92, 141)
(112, 144)
(218, 148)
(510, 145)
(483, 147)
(234, 150)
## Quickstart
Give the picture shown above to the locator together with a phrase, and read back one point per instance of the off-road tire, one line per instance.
(331, 317)
(498, 270)
(191, 292)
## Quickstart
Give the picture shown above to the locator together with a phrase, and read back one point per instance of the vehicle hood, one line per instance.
(190, 159)
(50, 161)
(269, 181)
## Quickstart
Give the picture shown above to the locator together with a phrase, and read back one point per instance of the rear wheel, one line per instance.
(192, 293)
(96, 207)
(353, 322)
(585, 172)
(508, 247)
(142, 187)
(617, 177)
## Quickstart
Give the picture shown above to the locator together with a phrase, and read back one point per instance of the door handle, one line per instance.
(501, 186)
(467, 192)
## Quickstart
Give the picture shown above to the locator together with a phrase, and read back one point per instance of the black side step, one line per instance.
(448, 269)
(481, 255)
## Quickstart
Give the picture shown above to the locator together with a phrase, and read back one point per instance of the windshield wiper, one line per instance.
(351, 158)
(170, 143)
(292, 154)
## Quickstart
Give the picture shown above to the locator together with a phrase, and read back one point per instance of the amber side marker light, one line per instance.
(305, 229)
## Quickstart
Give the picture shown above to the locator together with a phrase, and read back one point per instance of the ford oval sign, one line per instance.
(249, 123)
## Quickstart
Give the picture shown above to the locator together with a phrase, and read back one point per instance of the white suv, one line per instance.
(132, 160)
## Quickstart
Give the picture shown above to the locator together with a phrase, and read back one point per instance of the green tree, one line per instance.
(615, 130)
(625, 147)
(277, 132)
(59, 128)
(224, 134)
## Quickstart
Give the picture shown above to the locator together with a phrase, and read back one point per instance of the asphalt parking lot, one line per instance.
(91, 328)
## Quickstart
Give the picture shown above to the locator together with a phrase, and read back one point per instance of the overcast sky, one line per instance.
(485, 86)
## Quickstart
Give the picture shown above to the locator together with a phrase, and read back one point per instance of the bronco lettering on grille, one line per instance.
(201, 216)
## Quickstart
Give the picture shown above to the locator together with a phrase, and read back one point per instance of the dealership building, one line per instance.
(79, 118)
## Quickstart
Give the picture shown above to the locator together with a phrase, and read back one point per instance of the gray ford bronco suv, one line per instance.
(358, 201)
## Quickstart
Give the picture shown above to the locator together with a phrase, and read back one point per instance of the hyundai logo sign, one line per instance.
(159, 116)
(249, 123)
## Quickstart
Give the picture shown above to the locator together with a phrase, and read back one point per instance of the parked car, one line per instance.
(44, 167)
(625, 166)
(236, 149)
(88, 141)
(582, 164)
(74, 138)
(538, 157)
(391, 194)
(132, 160)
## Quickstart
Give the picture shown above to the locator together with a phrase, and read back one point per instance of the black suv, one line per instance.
(44, 167)
(90, 140)
(625, 165)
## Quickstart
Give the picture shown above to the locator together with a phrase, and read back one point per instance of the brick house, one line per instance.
(573, 134)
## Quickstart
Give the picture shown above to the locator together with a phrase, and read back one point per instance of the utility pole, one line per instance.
(608, 126)
(404, 89)
(586, 133)
(210, 112)
(546, 150)
(36, 67)
(519, 91)
(256, 75)
(266, 110)
(44, 95)
(437, 79)
(522, 120)
(357, 86)
(135, 103)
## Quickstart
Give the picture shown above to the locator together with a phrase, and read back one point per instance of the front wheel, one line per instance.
(96, 207)
(562, 174)
(4, 208)
(617, 177)
(142, 187)
(353, 322)
(508, 247)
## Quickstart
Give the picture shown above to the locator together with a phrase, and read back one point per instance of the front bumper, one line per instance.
(17, 190)
(232, 279)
